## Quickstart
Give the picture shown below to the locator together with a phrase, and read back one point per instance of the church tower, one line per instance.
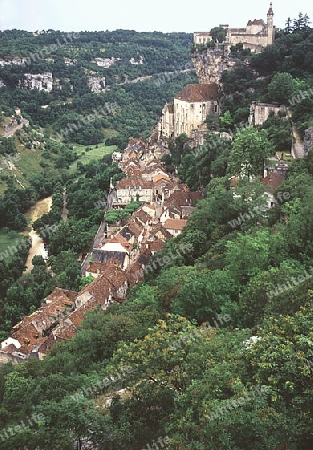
(270, 26)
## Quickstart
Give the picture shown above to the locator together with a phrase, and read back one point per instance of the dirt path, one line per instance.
(34, 213)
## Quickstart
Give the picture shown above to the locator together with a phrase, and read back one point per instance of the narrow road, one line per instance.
(157, 77)
(100, 233)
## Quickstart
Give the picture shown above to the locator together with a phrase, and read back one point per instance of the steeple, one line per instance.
(270, 11)
(270, 25)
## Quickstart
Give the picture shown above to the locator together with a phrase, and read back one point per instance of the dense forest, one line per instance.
(215, 349)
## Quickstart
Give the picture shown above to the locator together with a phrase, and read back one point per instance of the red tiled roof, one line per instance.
(160, 176)
(102, 286)
(134, 273)
(199, 93)
(118, 238)
(141, 215)
(96, 267)
(273, 181)
(159, 229)
(175, 224)
(134, 227)
(133, 182)
(155, 246)
(179, 198)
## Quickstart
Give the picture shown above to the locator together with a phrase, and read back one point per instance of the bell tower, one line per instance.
(270, 26)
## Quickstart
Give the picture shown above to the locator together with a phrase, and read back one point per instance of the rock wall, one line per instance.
(308, 141)
(211, 62)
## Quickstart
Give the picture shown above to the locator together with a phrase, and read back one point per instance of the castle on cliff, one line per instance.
(255, 36)
(188, 112)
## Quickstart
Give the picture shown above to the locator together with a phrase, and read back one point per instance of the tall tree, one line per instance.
(251, 149)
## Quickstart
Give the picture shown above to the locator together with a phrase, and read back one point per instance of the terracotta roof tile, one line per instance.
(198, 93)
(105, 284)
(160, 176)
(118, 238)
(141, 215)
(68, 333)
(158, 229)
(180, 198)
(134, 273)
(155, 246)
(133, 182)
(175, 224)
(273, 181)
(134, 227)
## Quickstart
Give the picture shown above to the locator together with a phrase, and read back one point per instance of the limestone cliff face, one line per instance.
(211, 62)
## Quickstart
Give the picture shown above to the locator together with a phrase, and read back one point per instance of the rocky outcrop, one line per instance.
(211, 62)
(40, 81)
(308, 141)
(15, 61)
(96, 84)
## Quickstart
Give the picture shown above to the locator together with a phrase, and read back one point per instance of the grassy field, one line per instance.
(31, 162)
(97, 152)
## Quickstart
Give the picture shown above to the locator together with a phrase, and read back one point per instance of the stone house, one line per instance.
(116, 248)
(272, 182)
(259, 112)
(134, 188)
(175, 226)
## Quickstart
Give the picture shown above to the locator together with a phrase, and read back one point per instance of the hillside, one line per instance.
(213, 349)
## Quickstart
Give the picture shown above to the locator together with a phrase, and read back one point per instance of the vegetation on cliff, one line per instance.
(214, 349)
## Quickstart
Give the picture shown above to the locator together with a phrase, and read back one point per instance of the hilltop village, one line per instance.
(121, 253)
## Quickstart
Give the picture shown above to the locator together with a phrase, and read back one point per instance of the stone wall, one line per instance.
(190, 116)
(259, 112)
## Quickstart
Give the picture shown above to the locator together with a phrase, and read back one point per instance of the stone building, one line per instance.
(255, 36)
(134, 188)
(189, 111)
(259, 112)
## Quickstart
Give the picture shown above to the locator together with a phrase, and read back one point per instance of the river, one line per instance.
(35, 212)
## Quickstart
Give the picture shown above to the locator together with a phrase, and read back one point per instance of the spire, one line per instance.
(270, 11)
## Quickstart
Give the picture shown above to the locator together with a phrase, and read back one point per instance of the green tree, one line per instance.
(281, 88)
(218, 34)
(250, 150)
